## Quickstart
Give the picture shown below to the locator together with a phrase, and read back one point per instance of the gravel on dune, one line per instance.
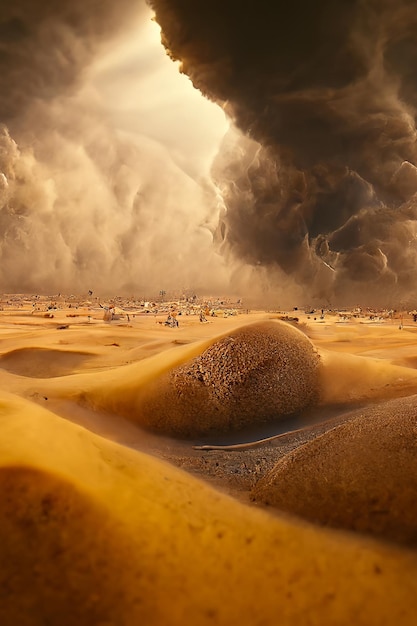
(257, 373)
(360, 476)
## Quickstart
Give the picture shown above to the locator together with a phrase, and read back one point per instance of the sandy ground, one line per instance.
(52, 356)
(54, 360)
(71, 366)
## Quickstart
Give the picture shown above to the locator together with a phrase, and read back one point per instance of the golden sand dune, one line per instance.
(261, 371)
(93, 533)
(60, 550)
(124, 359)
(41, 362)
(257, 373)
(353, 378)
(360, 476)
(362, 363)
(253, 372)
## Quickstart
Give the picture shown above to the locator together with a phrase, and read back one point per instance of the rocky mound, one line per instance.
(257, 373)
(360, 476)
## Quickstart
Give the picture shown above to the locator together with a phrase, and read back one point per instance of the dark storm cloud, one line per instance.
(329, 90)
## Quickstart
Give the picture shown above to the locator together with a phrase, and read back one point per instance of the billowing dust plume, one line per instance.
(99, 188)
(321, 186)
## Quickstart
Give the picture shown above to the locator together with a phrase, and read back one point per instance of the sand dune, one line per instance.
(144, 384)
(41, 362)
(259, 372)
(361, 476)
(59, 552)
(91, 532)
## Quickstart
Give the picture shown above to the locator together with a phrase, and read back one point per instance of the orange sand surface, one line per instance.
(95, 528)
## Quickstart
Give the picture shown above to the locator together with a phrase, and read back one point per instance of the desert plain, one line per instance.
(142, 483)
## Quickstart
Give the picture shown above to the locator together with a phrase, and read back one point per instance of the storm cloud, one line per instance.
(109, 181)
(321, 186)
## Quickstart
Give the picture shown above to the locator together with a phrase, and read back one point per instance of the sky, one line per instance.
(328, 89)
(105, 156)
(266, 149)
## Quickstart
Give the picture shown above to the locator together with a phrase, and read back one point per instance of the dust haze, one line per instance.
(104, 156)
(294, 178)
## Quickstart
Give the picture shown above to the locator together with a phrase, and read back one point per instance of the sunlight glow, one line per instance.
(145, 93)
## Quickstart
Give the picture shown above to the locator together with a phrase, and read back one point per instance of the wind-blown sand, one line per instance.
(95, 531)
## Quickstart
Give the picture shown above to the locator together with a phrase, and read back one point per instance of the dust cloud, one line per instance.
(105, 150)
(322, 185)
(292, 180)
